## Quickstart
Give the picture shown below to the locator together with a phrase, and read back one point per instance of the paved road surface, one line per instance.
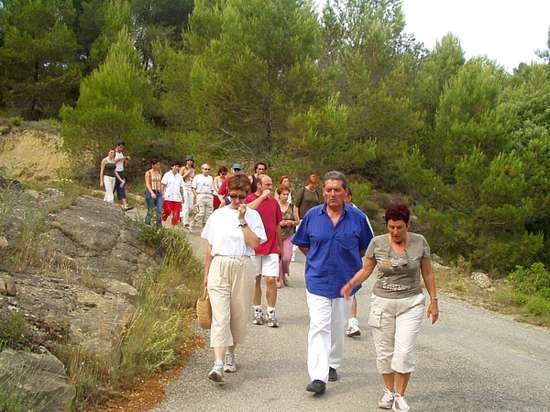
(471, 360)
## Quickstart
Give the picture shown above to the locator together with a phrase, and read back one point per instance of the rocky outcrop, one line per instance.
(482, 280)
(93, 237)
(37, 378)
(80, 288)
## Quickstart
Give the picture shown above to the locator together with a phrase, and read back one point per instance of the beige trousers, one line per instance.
(205, 205)
(230, 288)
(395, 324)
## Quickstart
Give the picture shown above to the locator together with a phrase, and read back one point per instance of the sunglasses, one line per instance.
(235, 196)
(205, 168)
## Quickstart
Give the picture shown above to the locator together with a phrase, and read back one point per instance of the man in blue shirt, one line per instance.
(334, 237)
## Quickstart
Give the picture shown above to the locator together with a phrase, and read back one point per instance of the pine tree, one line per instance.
(39, 67)
(112, 104)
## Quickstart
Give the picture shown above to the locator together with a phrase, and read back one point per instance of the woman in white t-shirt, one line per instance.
(232, 232)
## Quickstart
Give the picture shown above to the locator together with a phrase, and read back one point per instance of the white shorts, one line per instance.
(266, 265)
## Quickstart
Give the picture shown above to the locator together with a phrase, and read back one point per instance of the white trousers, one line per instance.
(395, 324)
(109, 184)
(187, 206)
(327, 324)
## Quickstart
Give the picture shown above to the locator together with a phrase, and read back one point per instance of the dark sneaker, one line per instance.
(332, 375)
(317, 387)
(127, 208)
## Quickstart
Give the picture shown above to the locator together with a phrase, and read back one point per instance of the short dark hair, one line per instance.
(222, 169)
(397, 211)
(349, 192)
(260, 163)
(154, 161)
(239, 182)
(120, 142)
(336, 175)
(175, 163)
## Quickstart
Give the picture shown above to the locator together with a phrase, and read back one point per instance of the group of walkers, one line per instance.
(245, 239)
(253, 231)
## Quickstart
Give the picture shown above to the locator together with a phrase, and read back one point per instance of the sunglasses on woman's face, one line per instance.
(237, 196)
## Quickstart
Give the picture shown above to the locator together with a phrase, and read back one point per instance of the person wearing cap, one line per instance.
(223, 191)
(121, 162)
(187, 173)
(172, 193)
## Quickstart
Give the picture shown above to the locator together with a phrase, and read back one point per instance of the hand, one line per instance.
(153, 195)
(242, 211)
(266, 193)
(433, 311)
(205, 282)
(345, 292)
(100, 183)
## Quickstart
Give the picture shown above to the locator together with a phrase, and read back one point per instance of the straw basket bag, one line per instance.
(204, 310)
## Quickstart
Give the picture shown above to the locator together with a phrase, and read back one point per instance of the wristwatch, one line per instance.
(243, 225)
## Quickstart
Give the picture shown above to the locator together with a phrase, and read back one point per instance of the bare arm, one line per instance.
(256, 203)
(101, 171)
(207, 262)
(250, 237)
(280, 240)
(148, 183)
(303, 249)
(429, 281)
(120, 179)
(361, 275)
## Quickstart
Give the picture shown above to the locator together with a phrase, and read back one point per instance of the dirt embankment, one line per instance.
(32, 152)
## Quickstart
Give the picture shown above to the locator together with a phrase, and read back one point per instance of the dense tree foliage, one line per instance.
(346, 88)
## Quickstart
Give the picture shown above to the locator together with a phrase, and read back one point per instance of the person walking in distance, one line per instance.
(260, 168)
(223, 191)
(218, 180)
(172, 193)
(187, 173)
(108, 176)
(121, 184)
(266, 259)
(398, 305)
(306, 198)
(203, 189)
(288, 227)
(232, 233)
(334, 237)
(153, 192)
(353, 328)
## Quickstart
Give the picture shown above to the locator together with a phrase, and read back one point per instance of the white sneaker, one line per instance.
(230, 364)
(386, 401)
(258, 317)
(400, 404)
(272, 321)
(216, 374)
(353, 328)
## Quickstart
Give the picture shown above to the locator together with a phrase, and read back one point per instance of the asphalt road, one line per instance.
(471, 360)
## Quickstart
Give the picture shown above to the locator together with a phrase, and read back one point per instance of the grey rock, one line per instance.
(38, 379)
(438, 267)
(481, 279)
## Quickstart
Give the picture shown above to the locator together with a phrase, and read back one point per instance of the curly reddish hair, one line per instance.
(397, 211)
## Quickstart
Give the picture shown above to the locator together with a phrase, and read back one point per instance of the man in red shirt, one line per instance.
(266, 260)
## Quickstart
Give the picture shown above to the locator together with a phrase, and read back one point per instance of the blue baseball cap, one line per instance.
(236, 166)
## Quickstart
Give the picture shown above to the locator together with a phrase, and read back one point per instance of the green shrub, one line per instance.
(519, 298)
(538, 306)
(14, 331)
(16, 121)
(534, 280)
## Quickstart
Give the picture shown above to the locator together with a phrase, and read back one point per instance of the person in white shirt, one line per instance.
(232, 232)
(203, 189)
(172, 193)
(188, 173)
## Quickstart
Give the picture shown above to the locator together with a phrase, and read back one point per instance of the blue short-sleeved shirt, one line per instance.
(334, 254)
